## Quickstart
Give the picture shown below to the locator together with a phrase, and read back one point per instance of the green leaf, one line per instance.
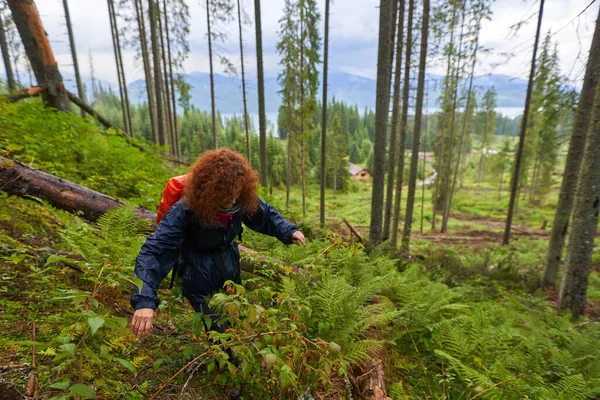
(82, 390)
(68, 347)
(95, 323)
(62, 384)
(125, 363)
(28, 343)
(53, 259)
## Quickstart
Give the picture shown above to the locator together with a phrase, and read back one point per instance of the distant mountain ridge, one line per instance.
(352, 89)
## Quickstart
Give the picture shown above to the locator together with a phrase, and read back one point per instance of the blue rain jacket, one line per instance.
(182, 239)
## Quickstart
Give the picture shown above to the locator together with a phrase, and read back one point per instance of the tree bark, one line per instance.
(147, 69)
(574, 157)
(10, 78)
(162, 139)
(403, 122)
(381, 117)
(324, 119)
(39, 53)
(414, 160)
(80, 89)
(573, 290)
(24, 94)
(389, 207)
(515, 178)
(246, 122)
(262, 119)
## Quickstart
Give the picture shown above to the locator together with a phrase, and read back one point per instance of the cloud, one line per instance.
(354, 33)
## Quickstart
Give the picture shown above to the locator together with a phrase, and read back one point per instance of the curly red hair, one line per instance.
(216, 176)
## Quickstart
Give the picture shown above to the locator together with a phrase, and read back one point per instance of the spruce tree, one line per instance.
(414, 160)
(10, 79)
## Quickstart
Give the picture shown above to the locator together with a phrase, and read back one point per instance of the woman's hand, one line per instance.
(141, 324)
(298, 238)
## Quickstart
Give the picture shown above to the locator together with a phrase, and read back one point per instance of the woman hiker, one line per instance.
(197, 234)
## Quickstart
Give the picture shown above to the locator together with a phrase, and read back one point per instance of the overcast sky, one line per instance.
(353, 37)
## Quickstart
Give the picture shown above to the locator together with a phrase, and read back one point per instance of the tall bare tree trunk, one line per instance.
(463, 131)
(80, 90)
(389, 210)
(139, 9)
(302, 114)
(38, 50)
(10, 78)
(403, 122)
(212, 79)
(414, 160)
(517, 171)
(288, 181)
(324, 119)
(574, 157)
(381, 117)
(448, 169)
(573, 288)
(246, 122)
(442, 126)
(128, 126)
(175, 144)
(152, 11)
(262, 119)
(166, 87)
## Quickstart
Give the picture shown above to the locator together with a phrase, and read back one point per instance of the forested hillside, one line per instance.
(463, 265)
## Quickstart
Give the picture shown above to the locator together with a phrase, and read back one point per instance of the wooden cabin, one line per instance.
(358, 172)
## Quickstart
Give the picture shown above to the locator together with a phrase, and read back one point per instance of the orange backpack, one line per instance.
(171, 195)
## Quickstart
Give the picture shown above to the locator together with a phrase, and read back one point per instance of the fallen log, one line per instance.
(21, 180)
(26, 93)
(354, 231)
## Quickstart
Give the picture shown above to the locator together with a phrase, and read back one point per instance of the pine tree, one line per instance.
(404, 123)
(262, 119)
(515, 178)
(414, 160)
(574, 157)
(287, 48)
(480, 11)
(246, 118)
(80, 90)
(393, 154)
(488, 129)
(446, 104)
(309, 81)
(324, 117)
(127, 125)
(153, 16)
(381, 110)
(145, 56)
